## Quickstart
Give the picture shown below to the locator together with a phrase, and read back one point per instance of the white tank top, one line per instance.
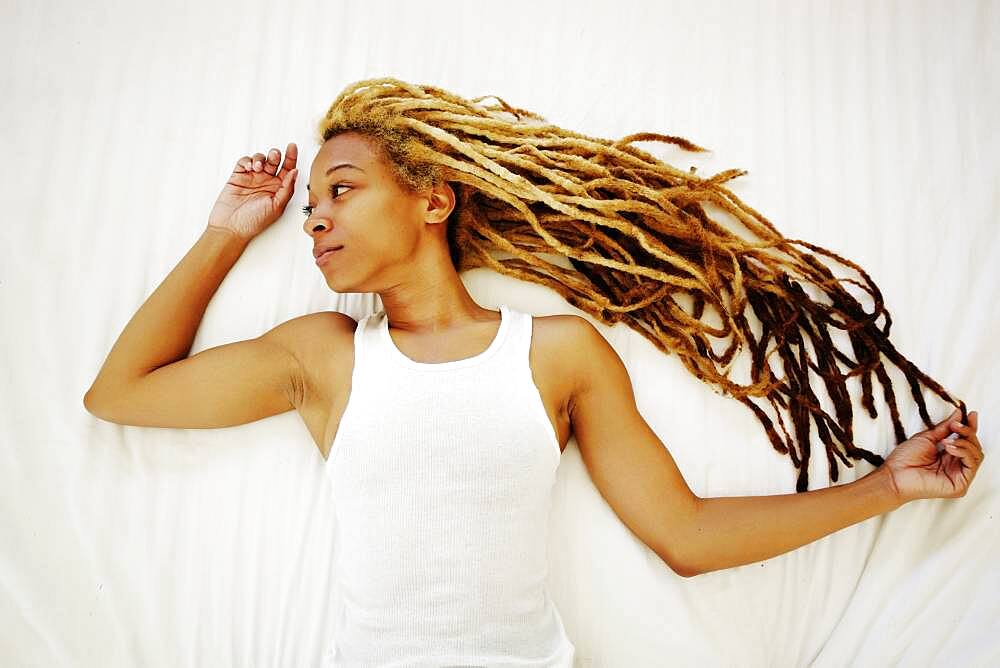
(442, 476)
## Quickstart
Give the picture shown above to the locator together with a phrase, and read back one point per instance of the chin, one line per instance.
(338, 284)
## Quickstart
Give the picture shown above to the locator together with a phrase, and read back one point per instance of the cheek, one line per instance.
(396, 230)
(390, 226)
(405, 212)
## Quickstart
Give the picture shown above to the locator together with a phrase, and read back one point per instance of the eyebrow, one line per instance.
(343, 164)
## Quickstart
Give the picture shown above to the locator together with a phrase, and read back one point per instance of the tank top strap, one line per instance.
(518, 343)
(363, 336)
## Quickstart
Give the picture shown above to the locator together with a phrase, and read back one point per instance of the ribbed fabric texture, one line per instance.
(442, 476)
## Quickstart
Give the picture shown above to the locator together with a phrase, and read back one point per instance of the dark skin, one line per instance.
(394, 244)
(408, 264)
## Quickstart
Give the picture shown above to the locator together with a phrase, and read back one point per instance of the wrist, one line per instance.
(885, 480)
(226, 235)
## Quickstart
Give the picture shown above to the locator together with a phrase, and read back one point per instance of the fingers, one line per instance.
(954, 414)
(964, 429)
(253, 163)
(968, 431)
(291, 158)
(270, 163)
(942, 428)
(966, 446)
(287, 186)
(965, 450)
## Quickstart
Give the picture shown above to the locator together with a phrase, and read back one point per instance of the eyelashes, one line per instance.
(307, 210)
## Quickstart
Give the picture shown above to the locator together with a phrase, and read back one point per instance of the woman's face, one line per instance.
(363, 209)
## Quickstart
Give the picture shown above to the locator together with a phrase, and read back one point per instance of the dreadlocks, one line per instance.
(637, 237)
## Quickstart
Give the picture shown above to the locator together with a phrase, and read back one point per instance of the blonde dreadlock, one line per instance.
(636, 235)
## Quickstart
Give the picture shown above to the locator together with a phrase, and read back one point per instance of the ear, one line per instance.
(440, 203)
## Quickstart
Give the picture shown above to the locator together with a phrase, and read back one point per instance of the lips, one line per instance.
(325, 255)
(320, 250)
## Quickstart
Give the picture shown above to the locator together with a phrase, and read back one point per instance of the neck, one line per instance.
(432, 298)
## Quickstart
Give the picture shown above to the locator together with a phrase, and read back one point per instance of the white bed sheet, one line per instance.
(868, 128)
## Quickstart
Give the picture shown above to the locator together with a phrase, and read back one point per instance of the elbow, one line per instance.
(90, 405)
(101, 396)
(684, 571)
(683, 551)
(88, 402)
(680, 567)
(95, 407)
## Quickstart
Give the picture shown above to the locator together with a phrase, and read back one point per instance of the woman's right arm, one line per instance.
(148, 378)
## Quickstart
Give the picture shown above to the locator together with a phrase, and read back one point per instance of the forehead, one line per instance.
(347, 147)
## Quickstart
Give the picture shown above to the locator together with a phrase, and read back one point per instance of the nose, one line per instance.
(314, 224)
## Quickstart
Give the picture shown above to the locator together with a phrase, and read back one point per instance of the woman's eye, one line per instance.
(307, 210)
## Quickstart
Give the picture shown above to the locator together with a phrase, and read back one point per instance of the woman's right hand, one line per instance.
(256, 194)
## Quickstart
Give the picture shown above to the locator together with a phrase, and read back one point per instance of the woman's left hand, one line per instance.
(919, 470)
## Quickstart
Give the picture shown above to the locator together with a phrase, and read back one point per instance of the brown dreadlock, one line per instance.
(637, 236)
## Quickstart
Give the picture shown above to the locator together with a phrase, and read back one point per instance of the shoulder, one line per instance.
(319, 343)
(304, 334)
(558, 332)
(584, 351)
(573, 328)
(315, 340)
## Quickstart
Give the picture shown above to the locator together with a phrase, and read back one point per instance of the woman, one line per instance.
(442, 422)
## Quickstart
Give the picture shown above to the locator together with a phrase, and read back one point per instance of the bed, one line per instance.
(866, 128)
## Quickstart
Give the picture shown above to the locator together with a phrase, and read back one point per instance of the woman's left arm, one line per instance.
(731, 531)
(637, 476)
